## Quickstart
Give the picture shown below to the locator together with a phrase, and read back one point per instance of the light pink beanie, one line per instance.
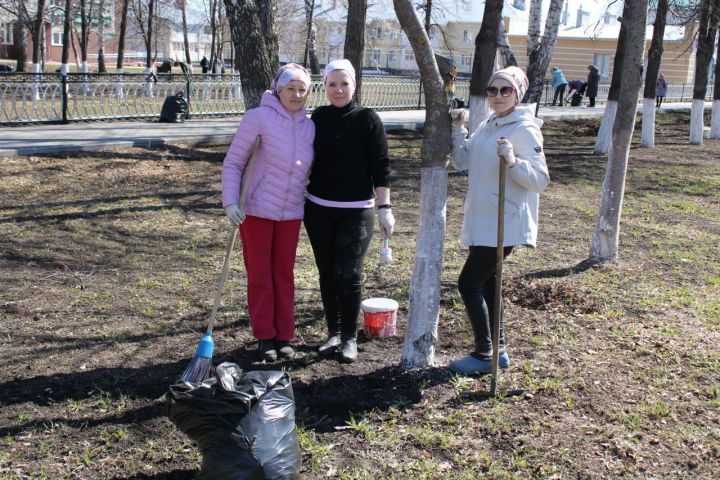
(516, 77)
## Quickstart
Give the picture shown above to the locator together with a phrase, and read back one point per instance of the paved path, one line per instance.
(80, 136)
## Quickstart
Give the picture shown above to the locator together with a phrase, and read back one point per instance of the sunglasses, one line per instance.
(504, 91)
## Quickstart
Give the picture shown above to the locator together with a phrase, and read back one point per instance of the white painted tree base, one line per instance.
(149, 84)
(479, 111)
(715, 120)
(421, 335)
(119, 88)
(604, 138)
(696, 122)
(647, 135)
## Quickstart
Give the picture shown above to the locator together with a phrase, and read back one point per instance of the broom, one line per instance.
(200, 365)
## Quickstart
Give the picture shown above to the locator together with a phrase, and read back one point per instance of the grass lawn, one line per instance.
(110, 261)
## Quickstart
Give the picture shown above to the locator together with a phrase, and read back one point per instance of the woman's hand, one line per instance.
(235, 214)
(387, 221)
(505, 151)
(457, 117)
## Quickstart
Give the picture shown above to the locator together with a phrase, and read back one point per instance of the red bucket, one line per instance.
(379, 317)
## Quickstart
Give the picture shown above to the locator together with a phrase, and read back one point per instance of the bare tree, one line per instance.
(486, 43)
(604, 137)
(605, 239)
(540, 50)
(504, 48)
(707, 30)
(355, 40)
(38, 35)
(67, 38)
(421, 336)
(715, 120)
(252, 26)
(310, 52)
(647, 136)
(101, 36)
(182, 5)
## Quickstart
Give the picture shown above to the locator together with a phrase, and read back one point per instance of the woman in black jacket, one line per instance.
(349, 178)
(592, 84)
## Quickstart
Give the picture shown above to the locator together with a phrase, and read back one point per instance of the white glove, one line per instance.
(505, 151)
(457, 117)
(387, 221)
(235, 214)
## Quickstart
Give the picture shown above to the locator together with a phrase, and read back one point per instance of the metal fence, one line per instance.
(43, 98)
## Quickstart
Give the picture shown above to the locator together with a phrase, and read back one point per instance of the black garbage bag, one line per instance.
(243, 423)
(174, 109)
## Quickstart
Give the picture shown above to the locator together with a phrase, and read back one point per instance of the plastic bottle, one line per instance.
(385, 252)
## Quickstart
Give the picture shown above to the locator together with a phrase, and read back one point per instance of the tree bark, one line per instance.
(186, 42)
(101, 37)
(715, 119)
(539, 58)
(252, 26)
(604, 138)
(67, 39)
(20, 39)
(355, 40)
(605, 240)
(38, 32)
(707, 31)
(423, 313)
(486, 43)
(504, 48)
(647, 136)
(121, 36)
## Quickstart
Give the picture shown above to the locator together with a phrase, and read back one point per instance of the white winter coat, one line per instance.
(523, 182)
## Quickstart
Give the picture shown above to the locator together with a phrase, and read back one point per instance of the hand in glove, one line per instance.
(235, 214)
(505, 151)
(457, 117)
(387, 221)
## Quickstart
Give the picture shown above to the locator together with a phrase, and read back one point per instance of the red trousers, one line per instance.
(269, 249)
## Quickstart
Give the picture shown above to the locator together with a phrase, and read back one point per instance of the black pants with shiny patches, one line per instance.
(477, 289)
(340, 238)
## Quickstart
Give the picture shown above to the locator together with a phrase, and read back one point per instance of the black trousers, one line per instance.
(559, 93)
(340, 238)
(477, 289)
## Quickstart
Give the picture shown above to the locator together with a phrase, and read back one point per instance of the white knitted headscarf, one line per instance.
(343, 64)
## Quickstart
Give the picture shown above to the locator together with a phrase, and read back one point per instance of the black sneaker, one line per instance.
(331, 345)
(349, 351)
(284, 350)
(266, 350)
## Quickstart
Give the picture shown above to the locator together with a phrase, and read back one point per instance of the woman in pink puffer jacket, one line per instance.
(270, 219)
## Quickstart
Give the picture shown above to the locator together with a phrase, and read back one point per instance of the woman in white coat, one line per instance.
(513, 134)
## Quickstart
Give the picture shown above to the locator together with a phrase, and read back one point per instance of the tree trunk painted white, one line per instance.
(35, 88)
(84, 68)
(605, 240)
(119, 87)
(149, 84)
(604, 137)
(479, 106)
(539, 58)
(647, 136)
(715, 120)
(423, 314)
(696, 122)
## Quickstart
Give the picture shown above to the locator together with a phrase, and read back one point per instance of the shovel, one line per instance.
(498, 279)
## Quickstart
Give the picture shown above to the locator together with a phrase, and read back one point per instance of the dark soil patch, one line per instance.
(109, 265)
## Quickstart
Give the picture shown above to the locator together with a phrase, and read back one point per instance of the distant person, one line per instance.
(512, 133)
(660, 90)
(204, 64)
(558, 83)
(270, 220)
(575, 86)
(593, 83)
(348, 181)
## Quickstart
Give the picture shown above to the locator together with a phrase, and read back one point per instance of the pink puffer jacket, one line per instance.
(277, 186)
